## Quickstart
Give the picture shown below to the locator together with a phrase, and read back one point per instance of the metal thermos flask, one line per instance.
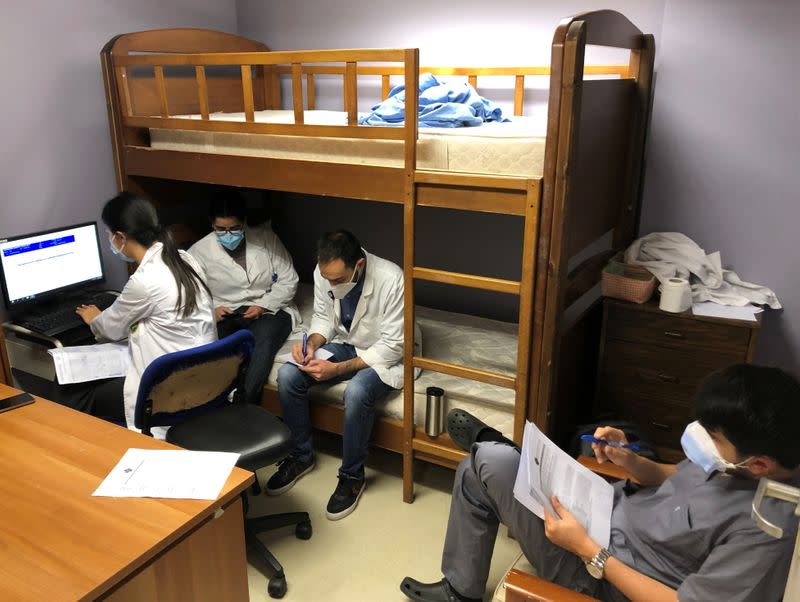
(434, 411)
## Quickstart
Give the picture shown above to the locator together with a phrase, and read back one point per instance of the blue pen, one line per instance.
(631, 446)
(305, 347)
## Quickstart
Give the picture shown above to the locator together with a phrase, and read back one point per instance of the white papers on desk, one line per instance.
(546, 470)
(90, 362)
(319, 354)
(166, 473)
(732, 312)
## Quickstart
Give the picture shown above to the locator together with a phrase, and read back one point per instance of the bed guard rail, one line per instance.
(268, 63)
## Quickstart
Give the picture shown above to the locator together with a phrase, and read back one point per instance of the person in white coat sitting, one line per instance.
(165, 305)
(252, 281)
(358, 317)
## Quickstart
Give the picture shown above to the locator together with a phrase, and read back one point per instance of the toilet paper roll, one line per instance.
(676, 295)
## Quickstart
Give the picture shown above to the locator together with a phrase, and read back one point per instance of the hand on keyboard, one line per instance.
(87, 312)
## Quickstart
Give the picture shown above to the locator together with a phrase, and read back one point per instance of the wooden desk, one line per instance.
(57, 542)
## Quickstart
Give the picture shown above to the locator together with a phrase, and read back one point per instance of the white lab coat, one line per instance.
(231, 286)
(377, 328)
(145, 313)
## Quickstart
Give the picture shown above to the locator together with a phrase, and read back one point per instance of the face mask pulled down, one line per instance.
(699, 447)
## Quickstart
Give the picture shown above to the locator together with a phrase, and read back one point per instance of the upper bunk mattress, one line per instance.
(515, 147)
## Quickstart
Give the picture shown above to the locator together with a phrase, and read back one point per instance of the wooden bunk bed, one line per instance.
(582, 207)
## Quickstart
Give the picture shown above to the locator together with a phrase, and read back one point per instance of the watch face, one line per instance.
(594, 570)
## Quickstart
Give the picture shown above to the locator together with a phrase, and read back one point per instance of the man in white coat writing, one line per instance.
(358, 317)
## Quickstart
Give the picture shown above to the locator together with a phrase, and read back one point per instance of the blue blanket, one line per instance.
(440, 105)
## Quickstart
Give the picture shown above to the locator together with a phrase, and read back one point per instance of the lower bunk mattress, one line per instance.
(457, 338)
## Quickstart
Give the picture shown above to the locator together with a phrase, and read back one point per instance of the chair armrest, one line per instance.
(522, 587)
(606, 469)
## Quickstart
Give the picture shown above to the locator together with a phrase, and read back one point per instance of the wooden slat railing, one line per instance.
(271, 65)
(471, 73)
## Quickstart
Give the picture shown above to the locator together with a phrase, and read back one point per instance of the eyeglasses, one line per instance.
(234, 230)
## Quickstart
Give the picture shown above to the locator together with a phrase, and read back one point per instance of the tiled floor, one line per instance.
(364, 556)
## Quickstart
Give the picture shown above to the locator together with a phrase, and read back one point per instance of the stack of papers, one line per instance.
(731, 312)
(90, 362)
(546, 470)
(179, 474)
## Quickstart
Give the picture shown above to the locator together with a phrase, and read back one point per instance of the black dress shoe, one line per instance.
(441, 591)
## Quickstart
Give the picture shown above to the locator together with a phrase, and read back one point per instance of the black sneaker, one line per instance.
(289, 470)
(344, 498)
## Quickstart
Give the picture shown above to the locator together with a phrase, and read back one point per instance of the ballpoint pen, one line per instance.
(305, 347)
(631, 446)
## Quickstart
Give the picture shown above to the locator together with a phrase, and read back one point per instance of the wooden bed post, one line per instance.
(112, 105)
(567, 142)
(409, 204)
(641, 67)
(568, 164)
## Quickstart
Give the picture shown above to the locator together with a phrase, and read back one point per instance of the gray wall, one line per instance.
(724, 151)
(56, 166)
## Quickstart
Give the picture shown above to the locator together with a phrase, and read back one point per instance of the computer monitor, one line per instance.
(36, 266)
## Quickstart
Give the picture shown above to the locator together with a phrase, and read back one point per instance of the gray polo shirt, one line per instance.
(695, 534)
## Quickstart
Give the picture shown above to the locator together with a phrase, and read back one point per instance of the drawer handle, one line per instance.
(674, 334)
(667, 378)
(660, 426)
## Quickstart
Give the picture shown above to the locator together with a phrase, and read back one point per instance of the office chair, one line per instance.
(196, 393)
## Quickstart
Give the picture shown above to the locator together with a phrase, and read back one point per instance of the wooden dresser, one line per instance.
(651, 362)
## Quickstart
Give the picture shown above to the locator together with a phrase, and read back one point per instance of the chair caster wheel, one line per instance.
(303, 530)
(276, 588)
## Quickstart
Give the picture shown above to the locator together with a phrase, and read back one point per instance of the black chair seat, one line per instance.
(260, 438)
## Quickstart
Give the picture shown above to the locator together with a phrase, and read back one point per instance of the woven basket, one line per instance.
(627, 282)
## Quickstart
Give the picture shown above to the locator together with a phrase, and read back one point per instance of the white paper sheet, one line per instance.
(90, 362)
(546, 470)
(179, 474)
(732, 312)
(319, 354)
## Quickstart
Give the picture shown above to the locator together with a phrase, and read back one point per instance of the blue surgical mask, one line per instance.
(231, 239)
(700, 448)
(119, 253)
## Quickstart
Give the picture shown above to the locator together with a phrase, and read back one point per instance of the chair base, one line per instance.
(276, 587)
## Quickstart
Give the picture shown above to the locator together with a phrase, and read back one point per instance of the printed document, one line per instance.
(715, 310)
(167, 473)
(319, 354)
(546, 470)
(90, 362)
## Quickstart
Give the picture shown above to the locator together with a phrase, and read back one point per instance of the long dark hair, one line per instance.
(137, 219)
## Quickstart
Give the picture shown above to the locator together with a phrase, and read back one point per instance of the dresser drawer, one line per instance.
(661, 423)
(671, 331)
(631, 372)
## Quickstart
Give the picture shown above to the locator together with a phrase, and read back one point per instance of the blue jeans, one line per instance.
(363, 390)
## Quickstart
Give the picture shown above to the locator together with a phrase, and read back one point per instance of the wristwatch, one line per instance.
(597, 565)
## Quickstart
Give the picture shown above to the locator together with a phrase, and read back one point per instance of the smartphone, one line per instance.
(9, 403)
(236, 313)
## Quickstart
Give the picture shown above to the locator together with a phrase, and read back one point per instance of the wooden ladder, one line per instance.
(467, 192)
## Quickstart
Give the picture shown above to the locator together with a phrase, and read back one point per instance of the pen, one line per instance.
(630, 446)
(305, 347)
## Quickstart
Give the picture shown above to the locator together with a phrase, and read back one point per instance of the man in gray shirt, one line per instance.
(686, 534)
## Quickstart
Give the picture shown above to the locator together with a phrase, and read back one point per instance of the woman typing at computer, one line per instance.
(165, 305)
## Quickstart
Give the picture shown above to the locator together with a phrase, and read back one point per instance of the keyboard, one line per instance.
(64, 318)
